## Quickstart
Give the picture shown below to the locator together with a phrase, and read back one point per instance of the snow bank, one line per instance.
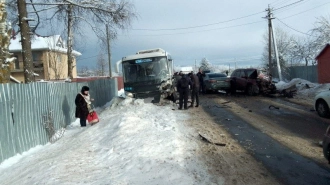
(305, 89)
(134, 143)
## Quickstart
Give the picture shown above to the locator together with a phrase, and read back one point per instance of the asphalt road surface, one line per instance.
(281, 134)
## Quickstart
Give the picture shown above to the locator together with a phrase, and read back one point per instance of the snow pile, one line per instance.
(305, 89)
(134, 143)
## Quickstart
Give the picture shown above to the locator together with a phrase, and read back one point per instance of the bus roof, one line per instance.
(146, 54)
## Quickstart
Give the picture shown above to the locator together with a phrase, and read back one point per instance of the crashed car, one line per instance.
(252, 81)
(216, 81)
(322, 103)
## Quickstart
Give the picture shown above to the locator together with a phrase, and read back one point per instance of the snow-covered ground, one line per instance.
(134, 143)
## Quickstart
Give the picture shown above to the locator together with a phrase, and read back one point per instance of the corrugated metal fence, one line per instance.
(304, 72)
(24, 109)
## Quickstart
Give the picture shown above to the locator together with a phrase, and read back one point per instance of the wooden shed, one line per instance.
(323, 65)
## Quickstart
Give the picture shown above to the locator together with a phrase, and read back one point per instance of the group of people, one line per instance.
(189, 84)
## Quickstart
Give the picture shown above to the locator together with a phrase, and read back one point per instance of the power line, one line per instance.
(305, 10)
(191, 27)
(203, 30)
(291, 7)
(293, 28)
(288, 5)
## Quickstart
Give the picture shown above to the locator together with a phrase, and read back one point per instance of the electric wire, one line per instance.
(288, 5)
(203, 30)
(293, 28)
(306, 10)
(198, 26)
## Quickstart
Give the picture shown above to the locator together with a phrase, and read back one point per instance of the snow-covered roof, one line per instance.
(54, 43)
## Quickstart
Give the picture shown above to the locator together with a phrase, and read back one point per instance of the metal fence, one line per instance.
(304, 72)
(24, 109)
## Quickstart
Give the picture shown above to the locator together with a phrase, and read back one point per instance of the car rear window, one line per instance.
(216, 75)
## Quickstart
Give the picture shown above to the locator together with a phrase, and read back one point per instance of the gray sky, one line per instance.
(193, 29)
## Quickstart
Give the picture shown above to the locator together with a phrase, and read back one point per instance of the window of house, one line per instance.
(16, 62)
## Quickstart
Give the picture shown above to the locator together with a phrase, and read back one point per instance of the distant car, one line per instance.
(251, 81)
(326, 144)
(216, 81)
(322, 102)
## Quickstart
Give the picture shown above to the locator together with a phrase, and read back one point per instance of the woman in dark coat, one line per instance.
(81, 106)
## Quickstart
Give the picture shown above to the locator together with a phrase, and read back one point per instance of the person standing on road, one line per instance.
(195, 90)
(183, 88)
(201, 76)
(83, 105)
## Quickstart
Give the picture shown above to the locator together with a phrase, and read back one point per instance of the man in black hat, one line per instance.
(82, 105)
(183, 88)
(195, 89)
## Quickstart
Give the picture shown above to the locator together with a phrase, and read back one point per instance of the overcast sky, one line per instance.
(223, 31)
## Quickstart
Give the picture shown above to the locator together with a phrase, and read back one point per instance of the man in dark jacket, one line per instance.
(81, 106)
(183, 88)
(195, 90)
(201, 76)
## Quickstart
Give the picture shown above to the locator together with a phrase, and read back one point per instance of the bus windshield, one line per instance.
(146, 69)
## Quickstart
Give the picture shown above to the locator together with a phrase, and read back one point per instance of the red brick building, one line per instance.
(323, 65)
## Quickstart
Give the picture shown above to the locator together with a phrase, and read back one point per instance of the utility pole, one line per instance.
(269, 17)
(26, 41)
(109, 53)
(273, 35)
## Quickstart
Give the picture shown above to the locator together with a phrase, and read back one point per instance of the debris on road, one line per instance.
(273, 107)
(204, 138)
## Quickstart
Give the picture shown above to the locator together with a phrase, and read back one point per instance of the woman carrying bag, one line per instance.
(84, 108)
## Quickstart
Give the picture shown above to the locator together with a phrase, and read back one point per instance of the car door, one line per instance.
(241, 80)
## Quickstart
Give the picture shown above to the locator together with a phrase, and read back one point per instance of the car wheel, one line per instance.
(322, 108)
(249, 90)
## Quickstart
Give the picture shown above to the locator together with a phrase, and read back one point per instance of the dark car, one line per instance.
(326, 144)
(216, 81)
(251, 81)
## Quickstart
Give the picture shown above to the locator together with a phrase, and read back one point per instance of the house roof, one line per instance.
(53, 43)
(322, 51)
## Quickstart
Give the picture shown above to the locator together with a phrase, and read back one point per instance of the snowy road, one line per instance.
(284, 140)
(138, 143)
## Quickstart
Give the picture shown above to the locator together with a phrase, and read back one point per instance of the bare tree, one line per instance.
(75, 14)
(85, 71)
(101, 65)
(321, 33)
(116, 13)
(303, 52)
(5, 57)
(205, 65)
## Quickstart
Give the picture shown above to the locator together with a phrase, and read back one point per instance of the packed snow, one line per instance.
(305, 89)
(134, 143)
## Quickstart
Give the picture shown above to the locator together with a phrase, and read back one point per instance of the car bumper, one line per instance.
(218, 87)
